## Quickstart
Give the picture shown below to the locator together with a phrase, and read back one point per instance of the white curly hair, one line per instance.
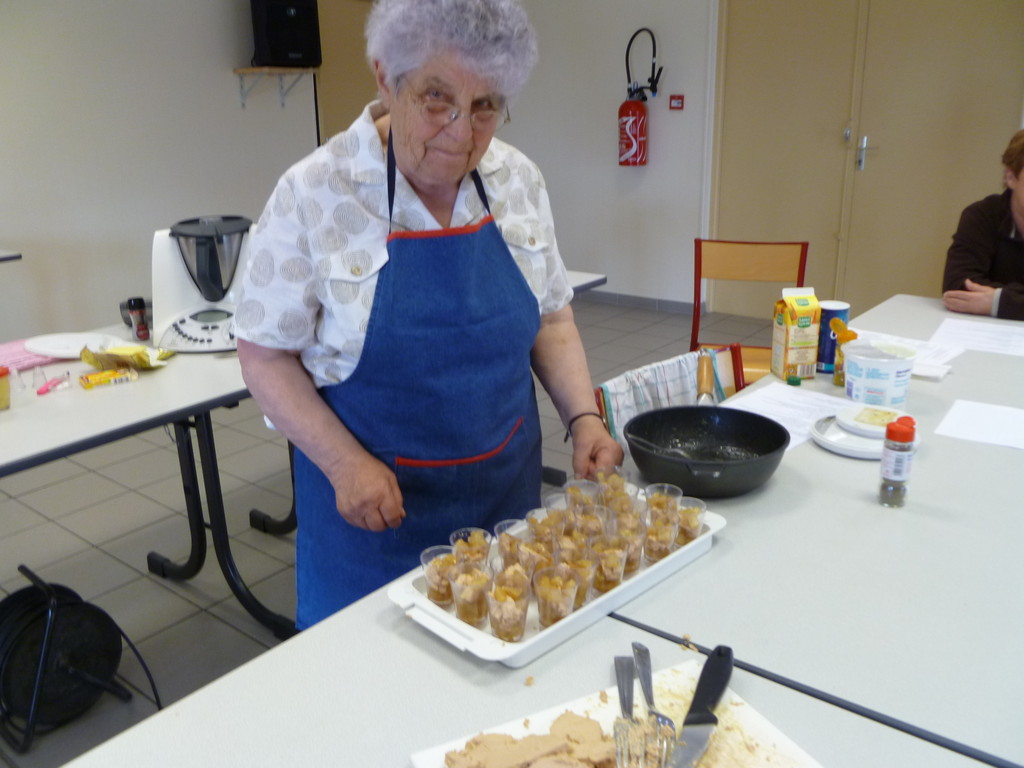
(494, 37)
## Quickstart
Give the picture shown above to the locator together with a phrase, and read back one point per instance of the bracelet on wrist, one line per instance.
(568, 425)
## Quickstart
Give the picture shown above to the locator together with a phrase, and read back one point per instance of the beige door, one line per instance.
(935, 86)
(344, 83)
(943, 92)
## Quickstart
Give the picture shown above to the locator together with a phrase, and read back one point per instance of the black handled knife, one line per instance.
(700, 721)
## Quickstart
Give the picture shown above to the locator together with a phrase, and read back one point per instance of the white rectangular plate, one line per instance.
(409, 592)
(744, 738)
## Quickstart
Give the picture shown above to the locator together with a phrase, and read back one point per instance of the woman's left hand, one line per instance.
(593, 448)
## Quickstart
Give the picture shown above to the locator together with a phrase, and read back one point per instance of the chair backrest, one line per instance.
(767, 262)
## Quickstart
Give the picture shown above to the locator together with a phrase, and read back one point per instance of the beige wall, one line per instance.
(120, 117)
(634, 224)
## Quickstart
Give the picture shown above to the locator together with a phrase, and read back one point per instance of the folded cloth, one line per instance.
(933, 371)
(13, 355)
(657, 385)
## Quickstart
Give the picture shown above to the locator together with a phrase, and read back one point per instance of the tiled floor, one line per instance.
(88, 522)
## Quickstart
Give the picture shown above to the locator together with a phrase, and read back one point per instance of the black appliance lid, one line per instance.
(211, 226)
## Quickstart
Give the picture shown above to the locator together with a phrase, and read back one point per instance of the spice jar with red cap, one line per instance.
(897, 453)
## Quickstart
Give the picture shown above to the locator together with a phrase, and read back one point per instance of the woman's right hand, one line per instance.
(366, 492)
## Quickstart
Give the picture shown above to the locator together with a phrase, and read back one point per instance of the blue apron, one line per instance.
(443, 394)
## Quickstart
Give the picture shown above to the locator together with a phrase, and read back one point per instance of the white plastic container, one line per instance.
(878, 372)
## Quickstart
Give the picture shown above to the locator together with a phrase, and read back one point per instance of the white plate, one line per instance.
(744, 738)
(830, 436)
(69, 345)
(867, 420)
(409, 592)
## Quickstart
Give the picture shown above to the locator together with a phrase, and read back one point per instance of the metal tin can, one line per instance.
(826, 336)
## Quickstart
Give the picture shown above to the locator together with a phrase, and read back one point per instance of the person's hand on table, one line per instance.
(974, 299)
(366, 492)
(593, 447)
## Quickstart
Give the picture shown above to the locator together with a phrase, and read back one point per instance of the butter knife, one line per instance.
(700, 721)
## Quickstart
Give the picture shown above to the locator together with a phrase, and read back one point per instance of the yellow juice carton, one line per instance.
(795, 333)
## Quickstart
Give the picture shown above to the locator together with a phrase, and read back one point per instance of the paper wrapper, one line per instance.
(136, 356)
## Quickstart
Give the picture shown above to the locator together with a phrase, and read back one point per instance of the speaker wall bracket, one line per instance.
(245, 85)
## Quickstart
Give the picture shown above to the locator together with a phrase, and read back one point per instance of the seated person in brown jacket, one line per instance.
(985, 264)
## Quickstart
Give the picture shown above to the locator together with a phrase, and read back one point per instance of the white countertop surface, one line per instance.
(917, 612)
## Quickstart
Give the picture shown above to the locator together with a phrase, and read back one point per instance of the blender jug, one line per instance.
(210, 246)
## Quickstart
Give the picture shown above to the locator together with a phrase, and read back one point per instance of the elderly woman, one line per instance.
(403, 285)
(985, 265)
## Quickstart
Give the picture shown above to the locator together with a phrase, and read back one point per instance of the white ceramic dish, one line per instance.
(830, 436)
(867, 420)
(409, 593)
(69, 346)
(743, 739)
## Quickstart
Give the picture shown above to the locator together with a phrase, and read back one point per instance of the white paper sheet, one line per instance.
(1002, 338)
(794, 408)
(984, 423)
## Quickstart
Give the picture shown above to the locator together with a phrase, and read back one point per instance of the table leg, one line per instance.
(282, 627)
(261, 521)
(553, 476)
(164, 566)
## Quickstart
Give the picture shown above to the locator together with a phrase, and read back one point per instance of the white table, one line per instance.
(915, 612)
(39, 429)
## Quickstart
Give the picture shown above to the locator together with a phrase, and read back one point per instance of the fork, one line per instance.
(664, 728)
(630, 739)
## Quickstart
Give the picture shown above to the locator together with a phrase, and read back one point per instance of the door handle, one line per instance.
(862, 151)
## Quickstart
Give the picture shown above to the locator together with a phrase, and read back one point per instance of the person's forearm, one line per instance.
(560, 363)
(287, 396)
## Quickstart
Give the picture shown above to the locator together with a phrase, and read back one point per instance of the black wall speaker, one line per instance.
(286, 33)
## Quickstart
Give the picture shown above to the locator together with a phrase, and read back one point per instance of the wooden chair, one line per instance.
(767, 262)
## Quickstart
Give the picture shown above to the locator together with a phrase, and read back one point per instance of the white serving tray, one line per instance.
(744, 737)
(409, 593)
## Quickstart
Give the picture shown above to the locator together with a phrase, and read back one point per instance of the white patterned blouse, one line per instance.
(316, 251)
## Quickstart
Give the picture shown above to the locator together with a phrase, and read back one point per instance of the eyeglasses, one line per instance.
(482, 117)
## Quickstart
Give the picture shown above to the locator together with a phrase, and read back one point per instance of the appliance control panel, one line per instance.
(207, 330)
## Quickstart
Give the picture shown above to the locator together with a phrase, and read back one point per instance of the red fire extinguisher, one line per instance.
(633, 132)
(633, 112)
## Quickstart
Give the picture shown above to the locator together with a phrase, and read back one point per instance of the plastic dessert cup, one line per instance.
(610, 553)
(436, 562)
(471, 544)
(508, 543)
(585, 564)
(535, 554)
(545, 523)
(508, 601)
(691, 519)
(663, 497)
(469, 581)
(591, 520)
(660, 539)
(555, 588)
(631, 527)
(615, 490)
(579, 495)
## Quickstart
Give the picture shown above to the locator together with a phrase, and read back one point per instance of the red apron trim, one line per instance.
(450, 232)
(404, 462)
